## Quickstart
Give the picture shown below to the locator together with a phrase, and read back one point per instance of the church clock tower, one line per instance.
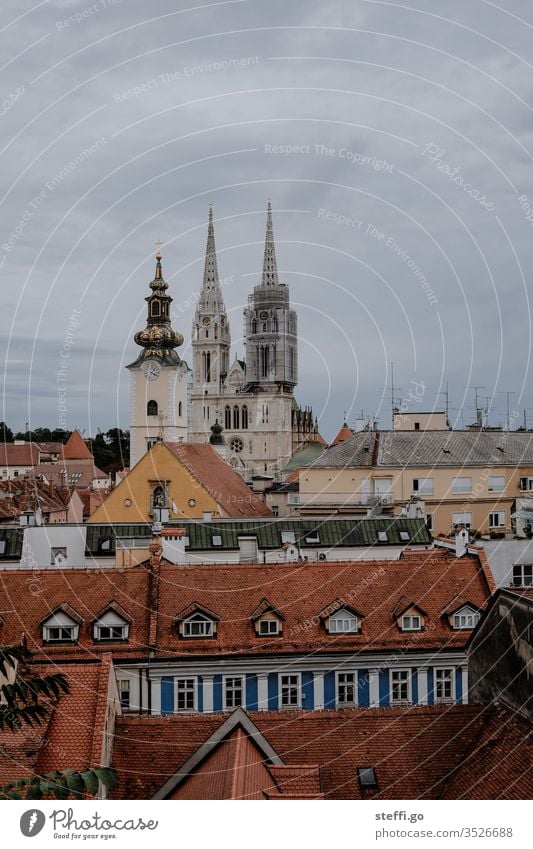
(158, 377)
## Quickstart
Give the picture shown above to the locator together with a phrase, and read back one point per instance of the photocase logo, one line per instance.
(32, 822)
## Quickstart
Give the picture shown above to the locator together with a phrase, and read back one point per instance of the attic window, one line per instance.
(216, 539)
(411, 622)
(343, 622)
(110, 626)
(3, 545)
(367, 777)
(105, 545)
(198, 625)
(382, 536)
(313, 538)
(60, 628)
(288, 536)
(404, 536)
(269, 627)
(465, 619)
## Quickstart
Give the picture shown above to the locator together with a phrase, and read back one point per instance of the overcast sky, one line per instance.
(396, 143)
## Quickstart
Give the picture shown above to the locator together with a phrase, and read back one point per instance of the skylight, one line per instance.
(367, 777)
(382, 536)
(216, 539)
(404, 536)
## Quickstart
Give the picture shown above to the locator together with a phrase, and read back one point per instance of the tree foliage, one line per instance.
(26, 699)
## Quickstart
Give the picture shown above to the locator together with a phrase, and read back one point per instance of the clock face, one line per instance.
(206, 320)
(152, 371)
(263, 315)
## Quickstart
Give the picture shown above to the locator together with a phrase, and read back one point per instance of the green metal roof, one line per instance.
(308, 533)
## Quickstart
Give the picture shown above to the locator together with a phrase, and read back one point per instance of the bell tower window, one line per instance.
(156, 309)
(227, 417)
(206, 357)
(245, 417)
(151, 408)
(236, 418)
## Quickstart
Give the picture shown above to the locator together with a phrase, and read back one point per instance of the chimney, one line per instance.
(461, 540)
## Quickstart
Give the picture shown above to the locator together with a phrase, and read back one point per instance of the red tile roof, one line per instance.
(223, 484)
(235, 770)
(28, 597)
(420, 753)
(19, 455)
(301, 591)
(72, 734)
(76, 448)
(344, 433)
(498, 764)
(233, 592)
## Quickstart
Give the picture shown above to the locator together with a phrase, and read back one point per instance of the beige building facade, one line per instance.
(451, 477)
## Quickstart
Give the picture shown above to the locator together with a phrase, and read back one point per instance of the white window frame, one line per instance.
(296, 684)
(48, 629)
(341, 682)
(423, 486)
(461, 488)
(98, 628)
(60, 621)
(225, 682)
(492, 487)
(340, 618)
(197, 619)
(449, 677)
(124, 689)
(526, 483)
(404, 680)
(112, 621)
(270, 631)
(461, 519)
(465, 619)
(519, 575)
(188, 691)
(500, 519)
(408, 624)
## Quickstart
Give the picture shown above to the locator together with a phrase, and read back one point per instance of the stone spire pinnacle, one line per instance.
(270, 268)
(210, 268)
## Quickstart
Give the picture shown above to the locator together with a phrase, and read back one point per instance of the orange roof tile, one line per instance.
(223, 484)
(76, 448)
(418, 753)
(300, 591)
(344, 433)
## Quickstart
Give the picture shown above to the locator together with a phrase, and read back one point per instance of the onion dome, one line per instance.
(216, 437)
(158, 339)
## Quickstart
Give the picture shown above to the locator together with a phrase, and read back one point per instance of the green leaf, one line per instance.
(75, 782)
(90, 779)
(107, 776)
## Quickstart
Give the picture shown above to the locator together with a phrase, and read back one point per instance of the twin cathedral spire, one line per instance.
(253, 398)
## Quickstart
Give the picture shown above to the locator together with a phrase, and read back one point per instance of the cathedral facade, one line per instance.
(252, 399)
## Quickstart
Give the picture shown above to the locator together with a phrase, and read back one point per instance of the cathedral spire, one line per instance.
(270, 268)
(210, 268)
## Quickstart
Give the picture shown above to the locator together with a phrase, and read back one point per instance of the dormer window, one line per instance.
(269, 627)
(343, 622)
(110, 626)
(465, 619)
(411, 622)
(267, 620)
(197, 622)
(198, 626)
(60, 628)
